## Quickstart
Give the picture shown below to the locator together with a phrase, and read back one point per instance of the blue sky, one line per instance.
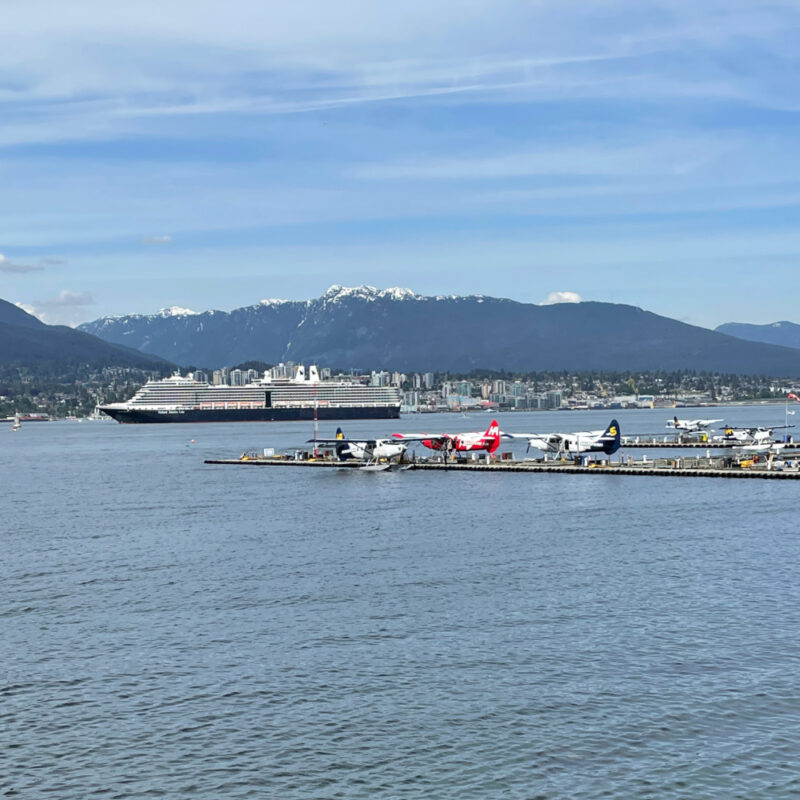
(211, 154)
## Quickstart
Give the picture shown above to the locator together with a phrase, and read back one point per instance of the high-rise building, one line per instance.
(554, 399)
(499, 387)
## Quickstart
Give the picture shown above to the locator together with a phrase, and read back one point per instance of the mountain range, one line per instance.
(365, 328)
(25, 340)
(786, 334)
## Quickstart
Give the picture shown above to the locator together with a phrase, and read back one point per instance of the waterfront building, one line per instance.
(554, 399)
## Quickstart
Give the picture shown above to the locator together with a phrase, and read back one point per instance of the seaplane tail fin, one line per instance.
(343, 452)
(492, 436)
(611, 438)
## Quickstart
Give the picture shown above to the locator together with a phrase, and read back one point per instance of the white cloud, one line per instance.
(66, 308)
(161, 239)
(28, 309)
(14, 267)
(80, 64)
(562, 297)
(67, 298)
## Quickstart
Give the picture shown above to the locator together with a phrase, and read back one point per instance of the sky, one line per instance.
(210, 154)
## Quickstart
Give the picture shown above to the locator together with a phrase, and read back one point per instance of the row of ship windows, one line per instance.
(172, 397)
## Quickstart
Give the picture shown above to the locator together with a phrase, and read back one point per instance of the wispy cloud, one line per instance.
(66, 308)
(278, 58)
(240, 126)
(674, 156)
(6, 265)
(28, 309)
(68, 299)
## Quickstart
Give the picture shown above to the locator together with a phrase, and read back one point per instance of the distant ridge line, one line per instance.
(396, 328)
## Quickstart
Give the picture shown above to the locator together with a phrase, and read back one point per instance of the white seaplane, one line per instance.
(574, 444)
(377, 455)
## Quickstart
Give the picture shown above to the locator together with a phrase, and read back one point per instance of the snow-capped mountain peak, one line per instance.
(176, 311)
(337, 293)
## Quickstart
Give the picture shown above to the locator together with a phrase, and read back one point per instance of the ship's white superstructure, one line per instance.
(179, 395)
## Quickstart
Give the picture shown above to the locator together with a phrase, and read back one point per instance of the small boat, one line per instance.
(17, 424)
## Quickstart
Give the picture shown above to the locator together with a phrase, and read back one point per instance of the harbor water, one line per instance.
(176, 629)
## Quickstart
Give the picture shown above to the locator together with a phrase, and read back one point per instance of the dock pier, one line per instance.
(671, 468)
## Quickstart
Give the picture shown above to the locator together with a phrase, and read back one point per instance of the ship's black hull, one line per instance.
(142, 416)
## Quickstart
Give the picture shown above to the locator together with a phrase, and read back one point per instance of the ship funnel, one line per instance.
(300, 373)
(313, 374)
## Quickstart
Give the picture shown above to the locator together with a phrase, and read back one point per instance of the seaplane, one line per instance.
(377, 455)
(691, 425)
(754, 437)
(470, 442)
(574, 444)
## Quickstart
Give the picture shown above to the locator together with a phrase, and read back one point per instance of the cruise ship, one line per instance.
(303, 397)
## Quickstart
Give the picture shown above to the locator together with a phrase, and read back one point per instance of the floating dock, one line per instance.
(645, 443)
(662, 468)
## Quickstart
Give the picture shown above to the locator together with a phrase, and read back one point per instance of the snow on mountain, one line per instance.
(337, 293)
(365, 327)
(177, 311)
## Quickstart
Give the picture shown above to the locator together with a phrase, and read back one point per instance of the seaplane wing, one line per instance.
(752, 435)
(755, 429)
(421, 437)
(542, 441)
(344, 442)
